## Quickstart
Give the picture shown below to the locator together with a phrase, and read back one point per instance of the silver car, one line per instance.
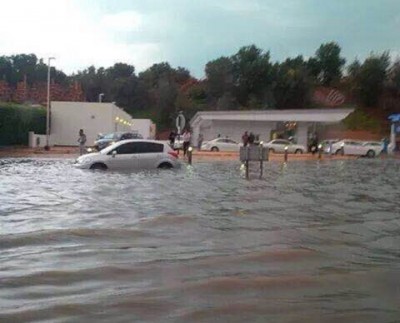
(132, 154)
(280, 145)
(221, 144)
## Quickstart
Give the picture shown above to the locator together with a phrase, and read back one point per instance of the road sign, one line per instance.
(180, 122)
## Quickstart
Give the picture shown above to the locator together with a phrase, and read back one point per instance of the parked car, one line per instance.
(378, 144)
(178, 142)
(357, 148)
(279, 145)
(221, 144)
(105, 140)
(326, 145)
(131, 154)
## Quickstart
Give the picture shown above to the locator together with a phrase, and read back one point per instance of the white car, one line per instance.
(354, 147)
(279, 146)
(178, 142)
(327, 144)
(221, 144)
(131, 154)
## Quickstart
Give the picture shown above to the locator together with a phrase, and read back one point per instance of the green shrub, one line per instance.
(359, 120)
(17, 120)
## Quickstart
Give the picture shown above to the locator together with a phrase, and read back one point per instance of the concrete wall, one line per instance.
(235, 129)
(145, 127)
(36, 141)
(94, 118)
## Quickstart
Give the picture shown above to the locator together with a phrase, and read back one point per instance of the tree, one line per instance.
(370, 78)
(292, 84)
(252, 72)
(6, 68)
(219, 75)
(327, 63)
(23, 66)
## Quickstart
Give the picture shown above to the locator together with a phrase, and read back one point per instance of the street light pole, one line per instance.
(48, 106)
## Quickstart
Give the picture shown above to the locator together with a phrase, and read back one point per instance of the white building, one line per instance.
(265, 123)
(94, 118)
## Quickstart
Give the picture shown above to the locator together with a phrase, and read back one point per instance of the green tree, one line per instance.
(327, 65)
(252, 73)
(292, 84)
(370, 78)
(219, 75)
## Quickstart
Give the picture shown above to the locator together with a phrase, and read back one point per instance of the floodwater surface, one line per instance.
(310, 242)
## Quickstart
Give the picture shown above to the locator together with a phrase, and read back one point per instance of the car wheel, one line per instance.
(339, 152)
(214, 149)
(371, 154)
(165, 166)
(298, 151)
(98, 166)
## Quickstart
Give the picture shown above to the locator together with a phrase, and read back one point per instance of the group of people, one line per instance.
(186, 137)
(248, 139)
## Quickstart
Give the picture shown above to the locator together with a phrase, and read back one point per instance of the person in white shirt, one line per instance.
(186, 141)
(82, 142)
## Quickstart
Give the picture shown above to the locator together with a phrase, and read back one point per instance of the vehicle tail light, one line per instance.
(173, 153)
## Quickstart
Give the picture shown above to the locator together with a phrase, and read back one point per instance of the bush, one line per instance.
(359, 120)
(17, 120)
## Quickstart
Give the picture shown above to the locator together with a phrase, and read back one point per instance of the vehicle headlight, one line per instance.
(83, 160)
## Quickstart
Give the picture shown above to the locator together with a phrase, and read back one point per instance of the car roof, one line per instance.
(118, 143)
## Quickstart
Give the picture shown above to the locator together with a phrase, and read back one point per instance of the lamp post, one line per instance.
(48, 105)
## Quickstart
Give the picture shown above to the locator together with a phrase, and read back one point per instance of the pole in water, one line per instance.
(319, 151)
(286, 154)
(261, 158)
(190, 151)
(247, 161)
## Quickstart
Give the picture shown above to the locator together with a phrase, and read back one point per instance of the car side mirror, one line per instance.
(114, 153)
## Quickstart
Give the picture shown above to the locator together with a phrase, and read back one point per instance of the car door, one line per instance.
(279, 145)
(222, 144)
(231, 145)
(149, 154)
(352, 148)
(125, 157)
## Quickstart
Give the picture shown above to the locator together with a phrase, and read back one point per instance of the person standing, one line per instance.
(186, 141)
(200, 141)
(251, 138)
(82, 142)
(245, 139)
(171, 138)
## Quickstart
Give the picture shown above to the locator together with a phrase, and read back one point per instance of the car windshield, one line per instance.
(108, 136)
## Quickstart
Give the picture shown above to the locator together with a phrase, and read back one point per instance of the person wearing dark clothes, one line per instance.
(171, 138)
(251, 138)
(245, 139)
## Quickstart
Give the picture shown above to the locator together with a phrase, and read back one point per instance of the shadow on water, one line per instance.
(309, 242)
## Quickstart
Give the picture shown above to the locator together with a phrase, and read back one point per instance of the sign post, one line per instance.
(180, 122)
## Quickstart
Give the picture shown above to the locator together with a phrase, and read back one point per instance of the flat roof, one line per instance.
(304, 115)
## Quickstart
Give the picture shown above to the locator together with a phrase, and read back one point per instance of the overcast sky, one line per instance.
(189, 33)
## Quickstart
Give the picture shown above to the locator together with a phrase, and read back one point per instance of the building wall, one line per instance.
(94, 118)
(145, 127)
(235, 129)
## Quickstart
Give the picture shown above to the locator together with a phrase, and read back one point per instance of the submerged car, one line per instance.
(132, 154)
(357, 148)
(105, 140)
(221, 144)
(280, 145)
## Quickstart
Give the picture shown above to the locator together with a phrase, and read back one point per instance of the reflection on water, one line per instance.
(310, 242)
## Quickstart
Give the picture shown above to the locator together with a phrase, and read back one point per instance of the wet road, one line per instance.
(311, 242)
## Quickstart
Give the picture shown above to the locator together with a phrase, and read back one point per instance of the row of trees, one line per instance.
(245, 80)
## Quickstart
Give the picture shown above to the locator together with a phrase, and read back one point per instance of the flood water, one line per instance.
(310, 242)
